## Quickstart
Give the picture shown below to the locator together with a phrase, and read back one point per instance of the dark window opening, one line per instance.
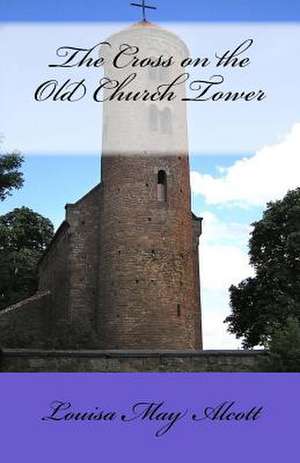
(162, 186)
(161, 177)
(178, 310)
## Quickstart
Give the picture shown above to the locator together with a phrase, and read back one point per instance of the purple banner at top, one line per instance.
(149, 417)
(168, 10)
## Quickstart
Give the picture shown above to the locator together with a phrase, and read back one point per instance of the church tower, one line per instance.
(149, 294)
(122, 271)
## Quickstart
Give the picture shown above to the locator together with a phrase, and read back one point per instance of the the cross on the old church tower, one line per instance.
(144, 7)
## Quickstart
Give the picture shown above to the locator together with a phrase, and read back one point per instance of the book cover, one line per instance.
(149, 230)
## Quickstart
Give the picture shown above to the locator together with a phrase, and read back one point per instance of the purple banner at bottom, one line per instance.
(149, 417)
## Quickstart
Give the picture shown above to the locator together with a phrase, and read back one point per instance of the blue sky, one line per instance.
(53, 181)
(242, 156)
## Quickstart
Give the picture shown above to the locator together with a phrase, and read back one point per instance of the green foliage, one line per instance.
(264, 302)
(10, 175)
(283, 349)
(24, 235)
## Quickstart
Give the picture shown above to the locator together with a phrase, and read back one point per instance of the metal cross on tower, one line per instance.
(144, 7)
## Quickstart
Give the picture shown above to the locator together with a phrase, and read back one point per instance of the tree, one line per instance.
(283, 349)
(10, 175)
(264, 303)
(24, 236)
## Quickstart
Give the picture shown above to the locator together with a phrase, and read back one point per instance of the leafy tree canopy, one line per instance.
(283, 349)
(24, 235)
(10, 176)
(264, 302)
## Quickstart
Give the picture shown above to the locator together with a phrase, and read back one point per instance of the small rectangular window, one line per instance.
(162, 186)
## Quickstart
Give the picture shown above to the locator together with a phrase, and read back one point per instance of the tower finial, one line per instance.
(144, 8)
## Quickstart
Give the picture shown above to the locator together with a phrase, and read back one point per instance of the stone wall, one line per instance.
(84, 218)
(26, 323)
(54, 272)
(121, 361)
(69, 268)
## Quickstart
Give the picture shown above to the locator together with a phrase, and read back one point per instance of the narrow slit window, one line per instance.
(166, 121)
(153, 118)
(162, 186)
(164, 74)
(153, 73)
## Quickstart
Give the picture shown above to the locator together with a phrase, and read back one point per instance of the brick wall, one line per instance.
(69, 268)
(84, 217)
(104, 361)
(26, 323)
(54, 272)
(148, 290)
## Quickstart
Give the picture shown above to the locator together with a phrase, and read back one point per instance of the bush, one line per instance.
(283, 349)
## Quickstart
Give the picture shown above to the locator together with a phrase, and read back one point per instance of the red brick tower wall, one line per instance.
(148, 296)
(148, 288)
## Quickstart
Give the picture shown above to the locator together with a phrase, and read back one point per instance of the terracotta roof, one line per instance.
(144, 24)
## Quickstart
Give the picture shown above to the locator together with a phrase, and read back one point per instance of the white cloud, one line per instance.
(223, 261)
(268, 175)
(223, 253)
(214, 127)
(222, 266)
(215, 335)
(218, 231)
